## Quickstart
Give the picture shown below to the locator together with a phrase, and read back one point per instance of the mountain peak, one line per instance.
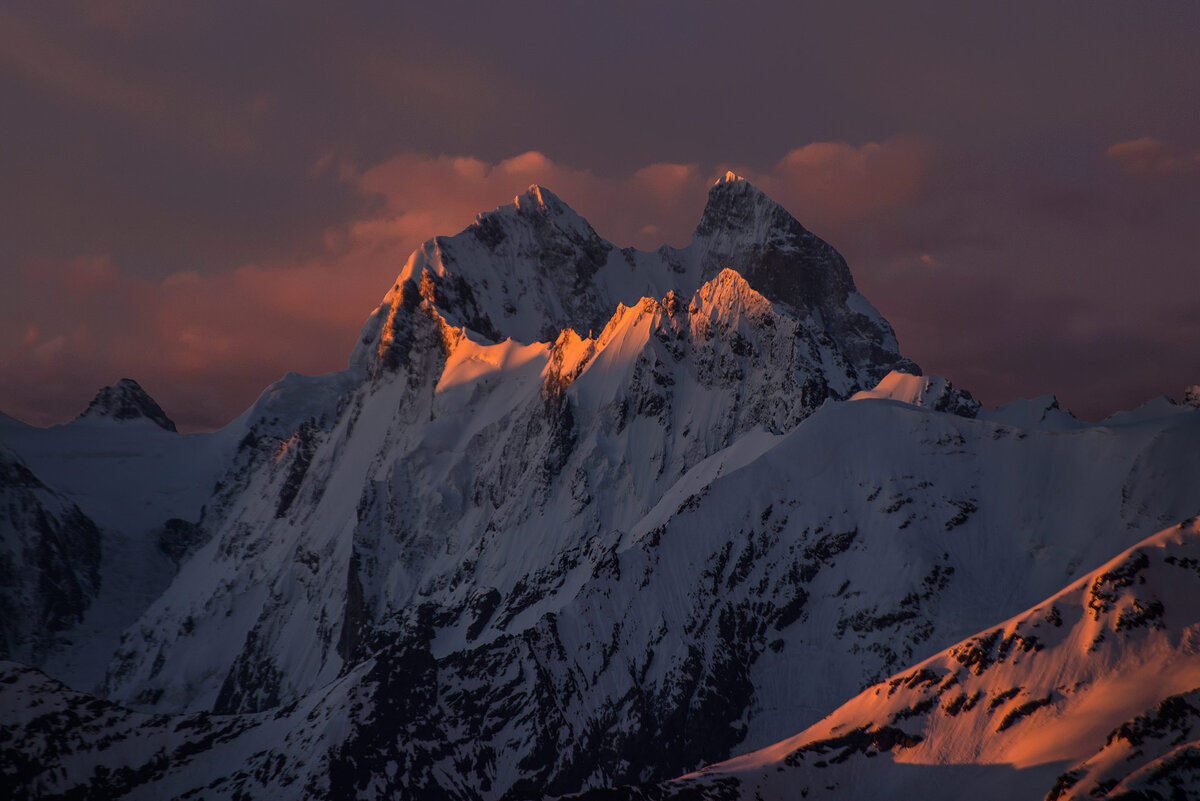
(123, 401)
(540, 198)
(543, 206)
(931, 392)
(533, 267)
(744, 229)
(736, 206)
(538, 207)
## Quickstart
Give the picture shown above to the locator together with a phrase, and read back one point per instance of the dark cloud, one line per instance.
(203, 196)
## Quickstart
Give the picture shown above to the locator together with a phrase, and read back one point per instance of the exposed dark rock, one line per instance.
(298, 451)
(1024, 710)
(1106, 587)
(177, 538)
(1175, 717)
(858, 741)
(126, 400)
(49, 563)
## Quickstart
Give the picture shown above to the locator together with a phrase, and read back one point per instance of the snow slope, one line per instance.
(1101, 678)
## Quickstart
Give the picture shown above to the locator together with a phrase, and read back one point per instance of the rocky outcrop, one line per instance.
(49, 563)
(126, 401)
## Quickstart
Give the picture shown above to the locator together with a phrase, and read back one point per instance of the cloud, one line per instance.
(1148, 157)
(835, 183)
(826, 184)
(424, 194)
(204, 345)
(63, 70)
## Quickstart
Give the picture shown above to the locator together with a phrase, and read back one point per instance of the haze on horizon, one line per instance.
(204, 198)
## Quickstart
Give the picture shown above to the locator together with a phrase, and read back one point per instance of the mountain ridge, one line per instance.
(1033, 692)
(577, 278)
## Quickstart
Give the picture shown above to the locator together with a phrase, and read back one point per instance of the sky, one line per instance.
(203, 197)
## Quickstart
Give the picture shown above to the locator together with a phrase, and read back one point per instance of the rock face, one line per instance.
(744, 230)
(574, 517)
(534, 268)
(49, 563)
(126, 401)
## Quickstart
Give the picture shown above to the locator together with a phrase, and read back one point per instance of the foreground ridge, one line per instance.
(1100, 677)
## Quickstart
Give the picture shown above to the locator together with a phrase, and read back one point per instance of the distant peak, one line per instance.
(538, 204)
(540, 198)
(126, 400)
(728, 293)
(732, 183)
(735, 204)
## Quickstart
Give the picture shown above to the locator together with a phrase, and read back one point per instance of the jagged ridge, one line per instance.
(1068, 680)
(533, 268)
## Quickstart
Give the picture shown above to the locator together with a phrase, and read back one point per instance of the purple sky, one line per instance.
(203, 196)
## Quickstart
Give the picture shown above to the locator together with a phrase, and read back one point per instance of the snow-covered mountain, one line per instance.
(445, 437)
(125, 402)
(574, 516)
(1093, 693)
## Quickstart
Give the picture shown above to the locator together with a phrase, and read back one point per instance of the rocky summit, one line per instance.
(126, 401)
(582, 519)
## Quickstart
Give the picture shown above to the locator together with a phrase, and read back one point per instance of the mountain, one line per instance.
(1093, 693)
(143, 488)
(534, 268)
(446, 437)
(126, 401)
(49, 563)
(574, 516)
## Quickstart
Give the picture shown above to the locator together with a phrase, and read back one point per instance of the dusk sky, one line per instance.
(205, 196)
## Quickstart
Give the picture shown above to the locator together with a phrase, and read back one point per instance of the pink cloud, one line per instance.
(424, 195)
(832, 185)
(1148, 157)
(71, 327)
(828, 185)
(206, 343)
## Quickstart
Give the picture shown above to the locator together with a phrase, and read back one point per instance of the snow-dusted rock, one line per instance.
(125, 402)
(1100, 676)
(933, 392)
(1042, 412)
(533, 268)
(49, 563)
